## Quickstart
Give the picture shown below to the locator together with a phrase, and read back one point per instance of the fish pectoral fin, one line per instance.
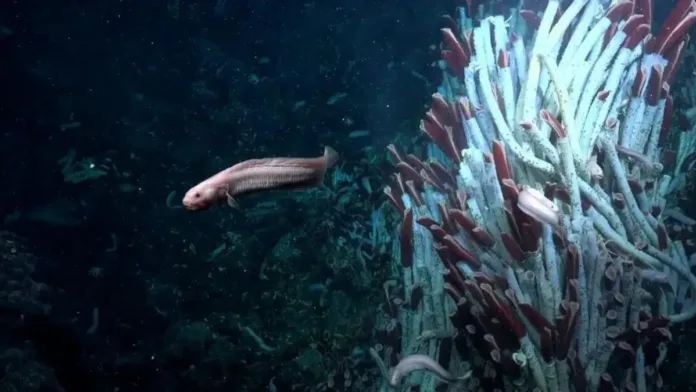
(231, 201)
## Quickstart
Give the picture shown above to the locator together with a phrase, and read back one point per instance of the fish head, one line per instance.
(203, 196)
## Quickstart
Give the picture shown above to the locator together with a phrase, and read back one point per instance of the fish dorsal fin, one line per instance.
(247, 164)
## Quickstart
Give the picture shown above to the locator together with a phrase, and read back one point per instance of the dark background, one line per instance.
(166, 93)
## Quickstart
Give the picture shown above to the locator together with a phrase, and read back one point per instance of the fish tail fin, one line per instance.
(329, 159)
(464, 377)
(331, 156)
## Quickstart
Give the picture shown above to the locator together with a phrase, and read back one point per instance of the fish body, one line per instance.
(416, 362)
(256, 175)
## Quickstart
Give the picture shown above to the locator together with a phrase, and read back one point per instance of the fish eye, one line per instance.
(197, 195)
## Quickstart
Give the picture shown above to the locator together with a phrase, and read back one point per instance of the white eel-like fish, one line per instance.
(418, 362)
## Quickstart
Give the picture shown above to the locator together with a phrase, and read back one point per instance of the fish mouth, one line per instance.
(191, 207)
(196, 206)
